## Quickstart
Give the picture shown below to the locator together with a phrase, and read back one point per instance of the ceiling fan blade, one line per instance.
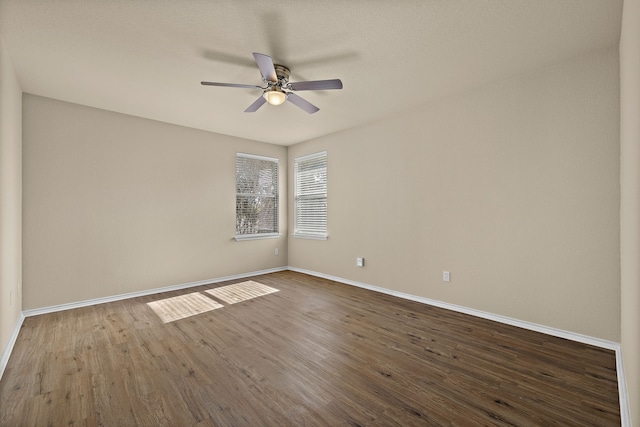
(265, 63)
(317, 85)
(302, 103)
(256, 104)
(230, 85)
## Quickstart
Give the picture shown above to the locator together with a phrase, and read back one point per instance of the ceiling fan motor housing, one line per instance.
(283, 74)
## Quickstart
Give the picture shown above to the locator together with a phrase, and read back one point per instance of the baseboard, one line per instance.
(625, 410)
(103, 300)
(6, 353)
(625, 413)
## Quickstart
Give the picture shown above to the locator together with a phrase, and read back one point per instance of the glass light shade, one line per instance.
(275, 97)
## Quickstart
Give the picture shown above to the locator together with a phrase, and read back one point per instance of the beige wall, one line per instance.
(10, 198)
(116, 204)
(513, 188)
(630, 203)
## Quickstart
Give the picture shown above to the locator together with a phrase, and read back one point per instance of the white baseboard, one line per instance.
(625, 410)
(625, 413)
(6, 353)
(85, 303)
(477, 313)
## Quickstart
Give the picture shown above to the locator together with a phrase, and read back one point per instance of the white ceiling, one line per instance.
(147, 58)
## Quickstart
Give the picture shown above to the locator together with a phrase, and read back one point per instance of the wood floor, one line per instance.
(301, 351)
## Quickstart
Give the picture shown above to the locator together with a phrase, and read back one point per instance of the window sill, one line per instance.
(243, 237)
(310, 236)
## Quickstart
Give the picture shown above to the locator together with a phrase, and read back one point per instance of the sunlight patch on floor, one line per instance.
(183, 306)
(239, 292)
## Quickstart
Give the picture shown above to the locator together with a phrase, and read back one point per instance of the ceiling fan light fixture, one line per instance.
(275, 96)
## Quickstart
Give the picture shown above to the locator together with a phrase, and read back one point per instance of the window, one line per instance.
(256, 197)
(310, 196)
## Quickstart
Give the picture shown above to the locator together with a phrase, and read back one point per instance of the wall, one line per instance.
(10, 199)
(115, 204)
(630, 200)
(513, 188)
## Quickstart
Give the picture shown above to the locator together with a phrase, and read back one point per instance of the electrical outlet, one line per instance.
(446, 276)
(360, 262)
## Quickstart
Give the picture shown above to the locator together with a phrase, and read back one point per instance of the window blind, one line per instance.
(256, 195)
(310, 196)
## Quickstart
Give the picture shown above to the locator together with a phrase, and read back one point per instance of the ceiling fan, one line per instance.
(278, 88)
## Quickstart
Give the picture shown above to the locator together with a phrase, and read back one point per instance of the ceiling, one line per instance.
(147, 58)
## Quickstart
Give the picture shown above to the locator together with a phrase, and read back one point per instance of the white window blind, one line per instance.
(310, 196)
(256, 196)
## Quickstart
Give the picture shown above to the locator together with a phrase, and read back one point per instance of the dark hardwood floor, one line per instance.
(314, 353)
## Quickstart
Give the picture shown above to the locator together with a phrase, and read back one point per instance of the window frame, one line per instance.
(276, 195)
(306, 233)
